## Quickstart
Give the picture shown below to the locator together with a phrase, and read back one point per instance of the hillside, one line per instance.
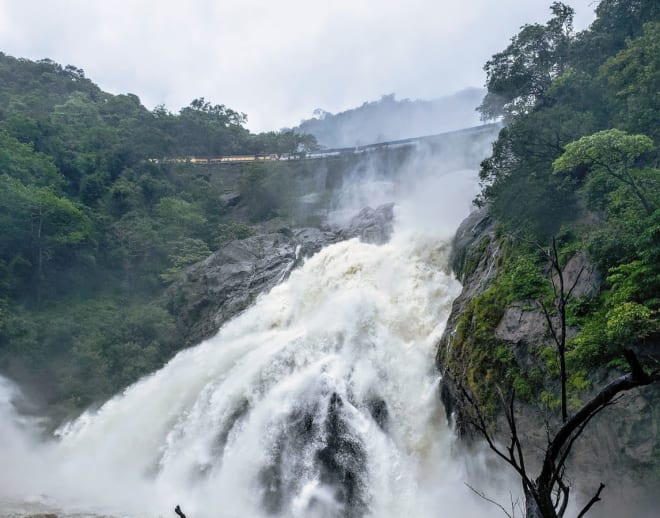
(93, 231)
(392, 119)
(96, 232)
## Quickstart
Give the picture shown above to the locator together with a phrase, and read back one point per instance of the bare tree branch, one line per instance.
(594, 499)
(575, 282)
(487, 499)
(578, 421)
(547, 495)
(564, 490)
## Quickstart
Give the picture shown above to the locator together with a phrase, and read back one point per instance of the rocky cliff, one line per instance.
(620, 447)
(212, 291)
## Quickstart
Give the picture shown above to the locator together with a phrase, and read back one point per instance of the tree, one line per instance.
(547, 494)
(184, 253)
(514, 177)
(39, 227)
(611, 155)
(20, 161)
(519, 76)
(180, 218)
(616, 22)
(633, 75)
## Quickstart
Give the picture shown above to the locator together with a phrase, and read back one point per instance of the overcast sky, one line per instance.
(276, 60)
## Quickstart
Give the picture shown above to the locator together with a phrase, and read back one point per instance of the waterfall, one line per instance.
(320, 400)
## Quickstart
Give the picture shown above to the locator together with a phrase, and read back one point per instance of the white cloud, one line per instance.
(275, 60)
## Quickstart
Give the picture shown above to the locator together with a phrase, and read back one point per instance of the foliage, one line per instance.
(184, 253)
(633, 77)
(232, 230)
(519, 76)
(609, 157)
(579, 152)
(485, 360)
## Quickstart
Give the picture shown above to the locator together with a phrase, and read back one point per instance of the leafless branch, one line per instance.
(575, 282)
(487, 499)
(563, 491)
(594, 499)
(579, 420)
(551, 326)
(548, 494)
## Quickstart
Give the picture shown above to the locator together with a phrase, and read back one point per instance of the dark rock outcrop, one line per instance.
(370, 225)
(212, 291)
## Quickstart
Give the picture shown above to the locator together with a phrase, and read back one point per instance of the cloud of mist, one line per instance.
(276, 61)
(391, 119)
(433, 187)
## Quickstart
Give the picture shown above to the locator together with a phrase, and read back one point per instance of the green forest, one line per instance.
(93, 231)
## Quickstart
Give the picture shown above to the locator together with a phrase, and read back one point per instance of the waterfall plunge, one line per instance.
(318, 401)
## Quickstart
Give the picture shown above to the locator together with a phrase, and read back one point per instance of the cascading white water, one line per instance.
(319, 401)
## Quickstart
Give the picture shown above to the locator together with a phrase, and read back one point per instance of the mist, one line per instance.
(357, 321)
(391, 119)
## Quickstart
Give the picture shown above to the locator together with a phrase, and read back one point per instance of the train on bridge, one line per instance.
(329, 153)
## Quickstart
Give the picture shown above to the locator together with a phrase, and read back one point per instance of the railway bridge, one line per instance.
(431, 142)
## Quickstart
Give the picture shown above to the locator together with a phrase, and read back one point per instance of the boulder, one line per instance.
(370, 225)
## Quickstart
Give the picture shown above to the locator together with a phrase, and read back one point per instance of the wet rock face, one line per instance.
(370, 225)
(467, 246)
(474, 262)
(581, 275)
(214, 290)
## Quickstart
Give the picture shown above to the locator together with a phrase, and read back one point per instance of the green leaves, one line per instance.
(610, 156)
(39, 227)
(180, 217)
(90, 226)
(633, 76)
(184, 253)
(20, 161)
(518, 77)
(612, 151)
(629, 323)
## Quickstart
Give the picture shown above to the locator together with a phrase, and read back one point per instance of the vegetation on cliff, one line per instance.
(576, 163)
(578, 159)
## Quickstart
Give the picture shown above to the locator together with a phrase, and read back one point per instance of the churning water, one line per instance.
(319, 401)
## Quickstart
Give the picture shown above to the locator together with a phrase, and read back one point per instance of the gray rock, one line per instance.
(474, 262)
(522, 323)
(370, 225)
(470, 233)
(214, 290)
(230, 199)
(579, 271)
